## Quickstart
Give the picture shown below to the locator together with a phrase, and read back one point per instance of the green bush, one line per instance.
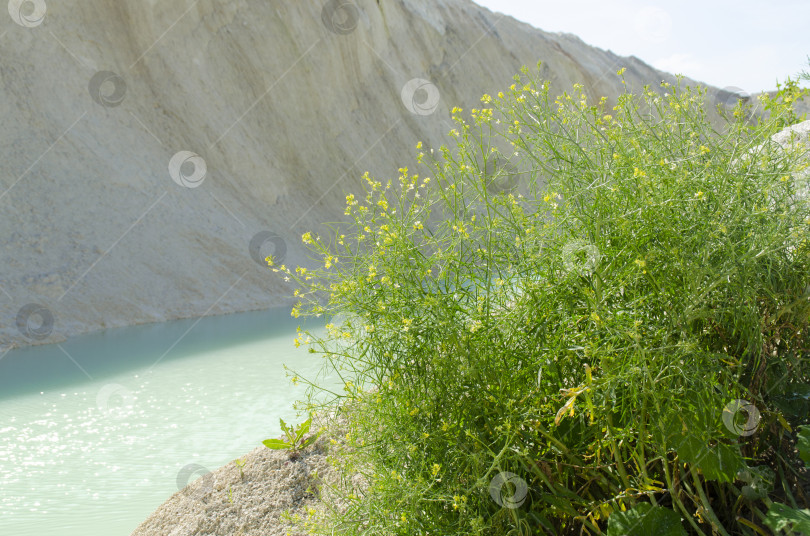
(588, 320)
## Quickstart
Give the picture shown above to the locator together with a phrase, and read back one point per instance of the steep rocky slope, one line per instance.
(151, 152)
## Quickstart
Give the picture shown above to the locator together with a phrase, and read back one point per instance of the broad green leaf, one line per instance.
(698, 441)
(644, 520)
(562, 504)
(719, 462)
(803, 444)
(795, 404)
(781, 517)
(303, 429)
(276, 444)
(759, 482)
(308, 441)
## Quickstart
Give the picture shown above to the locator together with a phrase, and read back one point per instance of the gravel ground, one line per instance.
(250, 502)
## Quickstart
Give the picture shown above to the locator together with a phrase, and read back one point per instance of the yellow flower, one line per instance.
(459, 228)
(419, 145)
(641, 263)
(307, 238)
(436, 469)
(486, 99)
(699, 195)
(704, 149)
(269, 260)
(417, 225)
(638, 172)
(621, 71)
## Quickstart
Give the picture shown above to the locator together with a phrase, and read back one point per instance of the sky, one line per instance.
(742, 44)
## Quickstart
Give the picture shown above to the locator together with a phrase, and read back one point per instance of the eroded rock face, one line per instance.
(797, 138)
(154, 152)
(798, 134)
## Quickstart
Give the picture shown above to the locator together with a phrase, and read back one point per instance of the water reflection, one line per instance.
(93, 432)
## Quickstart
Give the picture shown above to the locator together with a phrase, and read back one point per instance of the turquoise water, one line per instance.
(94, 431)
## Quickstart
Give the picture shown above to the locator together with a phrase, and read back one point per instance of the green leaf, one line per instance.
(308, 442)
(276, 444)
(697, 441)
(562, 504)
(303, 429)
(782, 517)
(645, 519)
(718, 462)
(803, 444)
(793, 402)
(759, 482)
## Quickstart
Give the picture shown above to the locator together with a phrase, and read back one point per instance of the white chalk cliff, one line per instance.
(146, 146)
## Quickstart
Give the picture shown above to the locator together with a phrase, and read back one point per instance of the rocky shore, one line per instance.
(258, 494)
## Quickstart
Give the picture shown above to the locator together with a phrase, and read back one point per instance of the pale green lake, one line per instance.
(92, 447)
